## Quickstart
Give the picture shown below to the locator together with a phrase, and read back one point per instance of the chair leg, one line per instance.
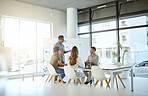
(107, 84)
(47, 78)
(121, 81)
(96, 83)
(54, 79)
(69, 81)
(79, 81)
(74, 81)
(60, 78)
(116, 82)
(101, 84)
(93, 81)
(50, 78)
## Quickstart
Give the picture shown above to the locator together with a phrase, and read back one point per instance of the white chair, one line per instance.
(53, 73)
(99, 75)
(70, 73)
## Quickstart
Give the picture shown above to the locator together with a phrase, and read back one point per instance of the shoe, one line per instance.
(86, 82)
(90, 82)
(63, 81)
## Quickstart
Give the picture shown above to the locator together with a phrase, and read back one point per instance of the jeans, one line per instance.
(61, 72)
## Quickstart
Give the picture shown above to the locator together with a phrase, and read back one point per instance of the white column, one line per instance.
(0, 30)
(72, 25)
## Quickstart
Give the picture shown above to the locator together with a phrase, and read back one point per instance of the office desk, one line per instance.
(114, 68)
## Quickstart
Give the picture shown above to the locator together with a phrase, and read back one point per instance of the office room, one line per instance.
(73, 47)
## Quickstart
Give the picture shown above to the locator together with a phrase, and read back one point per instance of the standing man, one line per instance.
(61, 48)
(91, 61)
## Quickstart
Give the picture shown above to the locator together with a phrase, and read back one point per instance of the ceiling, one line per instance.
(64, 4)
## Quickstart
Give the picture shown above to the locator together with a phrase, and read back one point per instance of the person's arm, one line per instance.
(96, 61)
(61, 64)
(67, 51)
(80, 62)
(87, 60)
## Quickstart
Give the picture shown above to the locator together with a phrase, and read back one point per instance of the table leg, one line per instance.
(33, 76)
(23, 77)
(132, 79)
(112, 83)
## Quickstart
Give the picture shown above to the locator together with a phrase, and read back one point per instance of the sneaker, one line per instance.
(90, 82)
(86, 82)
(63, 81)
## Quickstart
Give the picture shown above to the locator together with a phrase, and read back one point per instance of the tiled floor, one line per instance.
(17, 87)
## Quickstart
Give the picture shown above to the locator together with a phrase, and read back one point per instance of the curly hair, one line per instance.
(73, 57)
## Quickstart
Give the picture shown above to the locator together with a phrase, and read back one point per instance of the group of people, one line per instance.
(58, 60)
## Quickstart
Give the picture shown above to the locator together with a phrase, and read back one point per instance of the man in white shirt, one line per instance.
(91, 61)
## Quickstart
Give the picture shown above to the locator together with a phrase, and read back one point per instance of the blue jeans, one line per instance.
(60, 71)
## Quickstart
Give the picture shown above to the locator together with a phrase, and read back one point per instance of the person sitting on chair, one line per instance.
(55, 62)
(75, 61)
(91, 61)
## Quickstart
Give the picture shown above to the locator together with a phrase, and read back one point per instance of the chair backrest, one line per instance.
(97, 73)
(69, 72)
(51, 70)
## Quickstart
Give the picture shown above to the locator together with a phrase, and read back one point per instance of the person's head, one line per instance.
(61, 38)
(74, 55)
(92, 50)
(56, 50)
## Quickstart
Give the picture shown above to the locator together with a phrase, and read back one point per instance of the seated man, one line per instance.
(91, 61)
(55, 62)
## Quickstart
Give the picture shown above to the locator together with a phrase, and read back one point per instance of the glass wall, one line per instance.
(135, 40)
(25, 37)
(11, 38)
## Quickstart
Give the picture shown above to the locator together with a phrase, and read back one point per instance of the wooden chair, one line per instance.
(99, 75)
(70, 74)
(52, 73)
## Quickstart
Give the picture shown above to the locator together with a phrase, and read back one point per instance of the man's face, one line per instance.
(57, 52)
(61, 40)
(92, 51)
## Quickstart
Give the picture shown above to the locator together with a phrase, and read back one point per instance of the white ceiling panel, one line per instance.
(64, 4)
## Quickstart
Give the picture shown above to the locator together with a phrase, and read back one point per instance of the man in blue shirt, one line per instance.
(61, 48)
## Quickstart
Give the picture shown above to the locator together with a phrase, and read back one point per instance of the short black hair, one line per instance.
(56, 49)
(93, 48)
(60, 37)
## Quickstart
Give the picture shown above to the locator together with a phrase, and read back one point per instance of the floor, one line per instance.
(38, 87)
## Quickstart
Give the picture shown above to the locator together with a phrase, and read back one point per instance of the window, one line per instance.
(26, 39)
(105, 43)
(137, 43)
(134, 21)
(84, 28)
(84, 36)
(147, 37)
(104, 26)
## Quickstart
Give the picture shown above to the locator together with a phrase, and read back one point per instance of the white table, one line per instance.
(114, 68)
(117, 68)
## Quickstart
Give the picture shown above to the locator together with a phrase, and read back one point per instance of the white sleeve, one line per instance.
(80, 62)
(68, 63)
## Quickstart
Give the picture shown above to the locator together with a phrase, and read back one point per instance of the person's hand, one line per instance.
(69, 51)
(60, 52)
(87, 62)
(92, 63)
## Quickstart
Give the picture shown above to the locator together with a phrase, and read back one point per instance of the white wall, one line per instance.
(32, 12)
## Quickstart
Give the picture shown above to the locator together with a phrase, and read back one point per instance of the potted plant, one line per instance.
(121, 56)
